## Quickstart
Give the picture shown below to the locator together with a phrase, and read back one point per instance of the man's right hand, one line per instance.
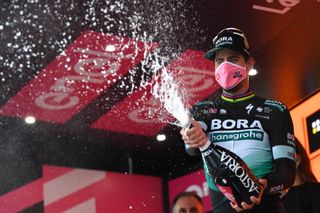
(194, 136)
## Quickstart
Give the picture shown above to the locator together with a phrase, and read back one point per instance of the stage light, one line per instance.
(253, 72)
(161, 137)
(30, 120)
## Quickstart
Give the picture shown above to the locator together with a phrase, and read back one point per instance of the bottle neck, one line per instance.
(205, 146)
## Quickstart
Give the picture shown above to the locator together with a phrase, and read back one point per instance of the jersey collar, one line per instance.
(237, 98)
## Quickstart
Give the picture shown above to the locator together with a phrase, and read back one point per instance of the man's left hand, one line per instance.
(254, 200)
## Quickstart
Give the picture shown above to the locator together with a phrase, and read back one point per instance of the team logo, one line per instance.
(249, 108)
(224, 40)
(235, 124)
(277, 104)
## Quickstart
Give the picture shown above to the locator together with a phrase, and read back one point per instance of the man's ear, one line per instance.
(250, 64)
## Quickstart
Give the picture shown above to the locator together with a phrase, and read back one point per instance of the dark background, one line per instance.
(286, 48)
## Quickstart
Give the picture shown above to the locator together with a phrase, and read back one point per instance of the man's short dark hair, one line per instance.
(186, 194)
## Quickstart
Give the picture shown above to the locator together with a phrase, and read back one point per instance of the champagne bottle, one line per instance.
(230, 174)
(228, 171)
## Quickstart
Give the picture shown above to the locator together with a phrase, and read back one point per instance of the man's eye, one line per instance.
(233, 60)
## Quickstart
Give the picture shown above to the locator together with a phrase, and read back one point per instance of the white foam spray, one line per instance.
(166, 89)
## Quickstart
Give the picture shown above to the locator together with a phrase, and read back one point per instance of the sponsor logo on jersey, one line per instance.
(291, 139)
(276, 189)
(213, 110)
(290, 136)
(267, 109)
(259, 109)
(291, 155)
(263, 116)
(277, 104)
(249, 108)
(245, 130)
(217, 124)
(217, 137)
(209, 111)
(223, 112)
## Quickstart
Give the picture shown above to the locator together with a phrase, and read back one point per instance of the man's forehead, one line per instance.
(227, 53)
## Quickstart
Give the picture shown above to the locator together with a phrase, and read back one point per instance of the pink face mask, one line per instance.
(229, 75)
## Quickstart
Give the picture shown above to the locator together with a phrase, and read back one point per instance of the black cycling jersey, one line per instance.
(258, 130)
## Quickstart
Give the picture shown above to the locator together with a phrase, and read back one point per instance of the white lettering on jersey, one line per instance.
(217, 124)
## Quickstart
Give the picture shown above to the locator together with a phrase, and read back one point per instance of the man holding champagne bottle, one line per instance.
(246, 142)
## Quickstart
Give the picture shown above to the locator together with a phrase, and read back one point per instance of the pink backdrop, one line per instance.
(73, 190)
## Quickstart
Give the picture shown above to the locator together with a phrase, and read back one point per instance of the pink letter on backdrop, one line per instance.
(87, 67)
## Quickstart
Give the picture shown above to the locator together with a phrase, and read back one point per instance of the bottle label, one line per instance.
(207, 152)
(227, 192)
(239, 172)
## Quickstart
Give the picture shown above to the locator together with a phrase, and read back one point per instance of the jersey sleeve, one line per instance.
(282, 144)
